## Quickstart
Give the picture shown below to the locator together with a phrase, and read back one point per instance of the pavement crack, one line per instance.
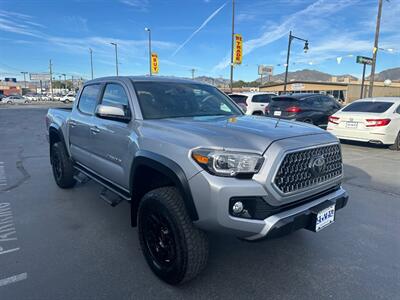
(20, 167)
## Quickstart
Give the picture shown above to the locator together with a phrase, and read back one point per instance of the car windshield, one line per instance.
(368, 107)
(174, 100)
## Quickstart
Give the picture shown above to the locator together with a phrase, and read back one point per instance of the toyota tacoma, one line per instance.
(189, 161)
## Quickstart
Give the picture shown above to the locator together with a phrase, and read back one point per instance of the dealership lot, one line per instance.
(68, 244)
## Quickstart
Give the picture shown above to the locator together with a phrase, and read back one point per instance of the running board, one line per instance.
(106, 184)
(112, 199)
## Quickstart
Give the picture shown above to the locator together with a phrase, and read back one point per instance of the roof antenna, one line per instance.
(279, 114)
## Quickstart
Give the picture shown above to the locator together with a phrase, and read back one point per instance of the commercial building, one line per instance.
(8, 87)
(346, 91)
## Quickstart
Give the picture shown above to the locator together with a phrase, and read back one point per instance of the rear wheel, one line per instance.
(63, 170)
(257, 113)
(9, 102)
(175, 250)
(396, 145)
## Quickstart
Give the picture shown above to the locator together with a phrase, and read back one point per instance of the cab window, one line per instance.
(88, 100)
(114, 94)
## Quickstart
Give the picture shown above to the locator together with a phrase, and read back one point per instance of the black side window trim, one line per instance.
(101, 91)
(398, 110)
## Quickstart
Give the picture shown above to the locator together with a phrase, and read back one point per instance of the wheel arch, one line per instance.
(56, 135)
(171, 173)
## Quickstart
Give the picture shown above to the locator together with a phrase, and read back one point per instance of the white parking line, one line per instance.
(13, 279)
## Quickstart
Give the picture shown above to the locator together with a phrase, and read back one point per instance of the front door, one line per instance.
(112, 139)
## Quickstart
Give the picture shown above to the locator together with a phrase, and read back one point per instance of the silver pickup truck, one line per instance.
(189, 161)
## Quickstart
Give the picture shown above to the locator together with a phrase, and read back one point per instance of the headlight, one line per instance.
(228, 163)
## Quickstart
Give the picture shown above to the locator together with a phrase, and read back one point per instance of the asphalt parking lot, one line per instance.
(68, 244)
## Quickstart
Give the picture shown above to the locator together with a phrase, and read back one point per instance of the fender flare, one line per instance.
(57, 130)
(168, 168)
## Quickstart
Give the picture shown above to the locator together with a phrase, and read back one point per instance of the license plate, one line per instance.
(351, 124)
(277, 113)
(325, 217)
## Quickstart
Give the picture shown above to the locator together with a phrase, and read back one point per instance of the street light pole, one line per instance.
(375, 51)
(65, 81)
(116, 56)
(91, 61)
(233, 42)
(149, 31)
(24, 73)
(291, 38)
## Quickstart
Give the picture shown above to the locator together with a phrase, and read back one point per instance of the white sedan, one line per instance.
(15, 99)
(373, 120)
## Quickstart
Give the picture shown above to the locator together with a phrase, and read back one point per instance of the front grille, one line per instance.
(297, 172)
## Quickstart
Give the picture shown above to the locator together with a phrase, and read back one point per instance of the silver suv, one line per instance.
(189, 161)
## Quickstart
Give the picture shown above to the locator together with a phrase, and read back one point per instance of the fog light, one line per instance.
(237, 208)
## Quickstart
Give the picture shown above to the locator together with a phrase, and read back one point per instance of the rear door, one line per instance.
(330, 106)
(80, 123)
(111, 138)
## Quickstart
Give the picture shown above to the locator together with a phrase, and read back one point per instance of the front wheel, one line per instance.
(175, 250)
(396, 145)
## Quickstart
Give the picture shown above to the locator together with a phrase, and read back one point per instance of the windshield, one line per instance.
(368, 107)
(173, 100)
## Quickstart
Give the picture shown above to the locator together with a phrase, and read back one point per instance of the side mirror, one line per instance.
(115, 112)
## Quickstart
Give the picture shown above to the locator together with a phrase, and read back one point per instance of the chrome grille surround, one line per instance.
(294, 172)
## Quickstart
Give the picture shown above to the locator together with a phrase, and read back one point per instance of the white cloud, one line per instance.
(199, 29)
(136, 4)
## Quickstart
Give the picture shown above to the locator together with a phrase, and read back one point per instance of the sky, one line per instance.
(192, 34)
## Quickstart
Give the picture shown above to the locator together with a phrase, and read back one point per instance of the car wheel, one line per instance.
(396, 145)
(175, 250)
(62, 166)
(9, 102)
(27, 102)
(257, 113)
(308, 121)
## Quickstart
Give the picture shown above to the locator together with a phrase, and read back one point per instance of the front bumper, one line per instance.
(212, 196)
(299, 217)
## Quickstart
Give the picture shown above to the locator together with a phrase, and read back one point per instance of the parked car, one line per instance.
(70, 97)
(188, 161)
(372, 120)
(252, 103)
(15, 99)
(309, 108)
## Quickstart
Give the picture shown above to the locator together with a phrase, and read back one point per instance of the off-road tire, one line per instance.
(396, 145)
(62, 166)
(190, 245)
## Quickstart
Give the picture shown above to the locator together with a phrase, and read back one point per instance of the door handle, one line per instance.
(94, 130)
(72, 123)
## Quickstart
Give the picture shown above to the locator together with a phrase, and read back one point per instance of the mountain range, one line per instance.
(308, 75)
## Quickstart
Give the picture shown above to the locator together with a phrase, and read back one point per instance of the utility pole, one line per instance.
(116, 56)
(51, 78)
(233, 42)
(91, 61)
(65, 80)
(193, 71)
(24, 73)
(378, 25)
(149, 31)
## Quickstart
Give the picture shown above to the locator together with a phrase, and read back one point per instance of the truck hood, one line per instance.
(249, 133)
